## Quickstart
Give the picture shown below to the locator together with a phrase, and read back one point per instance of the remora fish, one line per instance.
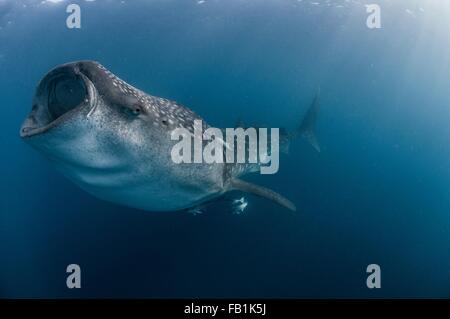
(113, 140)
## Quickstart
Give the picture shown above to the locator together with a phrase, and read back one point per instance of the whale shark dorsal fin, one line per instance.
(306, 129)
(311, 138)
(238, 184)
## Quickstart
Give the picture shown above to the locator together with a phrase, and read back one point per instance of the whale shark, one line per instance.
(113, 141)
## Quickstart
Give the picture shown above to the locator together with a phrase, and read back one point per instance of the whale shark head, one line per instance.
(77, 89)
(85, 115)
(100, 131)
(64, 94)
(110, 138)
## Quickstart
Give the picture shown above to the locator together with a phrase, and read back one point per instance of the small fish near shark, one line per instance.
(113, 141)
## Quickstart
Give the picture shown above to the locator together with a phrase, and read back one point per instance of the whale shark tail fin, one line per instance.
(238, 184)
(307, 127)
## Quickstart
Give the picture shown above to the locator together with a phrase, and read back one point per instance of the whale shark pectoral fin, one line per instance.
(237, 184)
(306, 129)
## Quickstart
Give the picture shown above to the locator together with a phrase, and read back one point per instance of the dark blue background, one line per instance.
(378, 193)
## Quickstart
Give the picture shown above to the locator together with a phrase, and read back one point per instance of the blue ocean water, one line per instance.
(377, 193)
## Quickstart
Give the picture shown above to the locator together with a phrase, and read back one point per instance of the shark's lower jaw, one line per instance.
(61, 94)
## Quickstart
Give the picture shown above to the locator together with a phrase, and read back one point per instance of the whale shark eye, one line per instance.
(133, 110)
(137, 109)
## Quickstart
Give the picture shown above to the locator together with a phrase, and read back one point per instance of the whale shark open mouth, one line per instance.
(62, 93)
